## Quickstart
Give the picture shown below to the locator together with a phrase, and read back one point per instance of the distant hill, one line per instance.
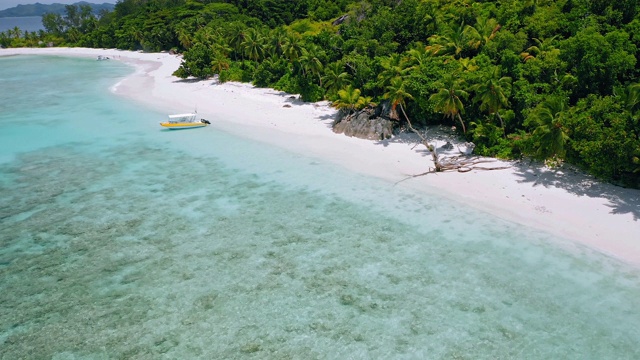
(38, 9)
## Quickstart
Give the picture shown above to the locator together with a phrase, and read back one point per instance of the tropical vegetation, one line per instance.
(545, 79)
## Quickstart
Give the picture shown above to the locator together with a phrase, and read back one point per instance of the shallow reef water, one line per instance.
(146, 244)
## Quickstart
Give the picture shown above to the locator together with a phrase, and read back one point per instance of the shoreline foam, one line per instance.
(561, 202)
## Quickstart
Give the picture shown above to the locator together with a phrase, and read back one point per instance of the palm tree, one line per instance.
(202, 36)
(199, 21)
(277, 38)
(137, 35)
(73, 34)
(219, 62)
(291, 47)
(468, 65)
(335, 77)
(431, 17)
(310, 62)
(452, 42)
(549, 135)
(492, 95)
(417, 56)
(542, 49)
(184, 36)
(16, 32)
(252, 45)
(396, 93)
(5, 38)
(220, 46)
(630, 97)
(393, 66)
(484, 31)
(448, 99)
(236, 38)
(349, 100)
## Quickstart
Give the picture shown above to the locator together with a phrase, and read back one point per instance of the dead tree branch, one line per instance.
(461, 163)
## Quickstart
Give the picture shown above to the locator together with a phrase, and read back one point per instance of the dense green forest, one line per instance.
(554, 80)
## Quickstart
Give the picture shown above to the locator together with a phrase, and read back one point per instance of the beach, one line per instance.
(562, 202)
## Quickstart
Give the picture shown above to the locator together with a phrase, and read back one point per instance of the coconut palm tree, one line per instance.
(236, 38)
(73, 34)
(393, 66)
(202, 36)
(349, 100)
(292, 48)
(448, 99)
(199, 21)
(335, 78)
(310, 61)
(138, 36)
(417, 56)
(493, 95)
(542, 49)
(452, 42)
(277, 38)
(548, 134)
(5, 38)
(468, 65)
(219, 62)
(220, 46)
(184, 36)
(397, 93)
(252, 45)
(17, 33)
(482, 32)
(630, 97)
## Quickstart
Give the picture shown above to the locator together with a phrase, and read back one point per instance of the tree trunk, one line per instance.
(431, 148)
(464, 128)
(456, 163)
(504, 131)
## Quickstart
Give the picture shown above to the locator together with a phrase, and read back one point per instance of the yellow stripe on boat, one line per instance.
(182, 125)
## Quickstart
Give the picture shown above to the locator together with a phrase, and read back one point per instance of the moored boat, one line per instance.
(184, 121)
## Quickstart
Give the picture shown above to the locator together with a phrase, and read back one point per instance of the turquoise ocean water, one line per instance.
(121, 240)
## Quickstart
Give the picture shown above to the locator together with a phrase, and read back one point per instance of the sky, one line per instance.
(5, 4)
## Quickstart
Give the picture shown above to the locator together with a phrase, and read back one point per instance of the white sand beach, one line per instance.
(562, 202)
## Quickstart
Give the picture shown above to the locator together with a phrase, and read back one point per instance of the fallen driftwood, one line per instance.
(460, 163)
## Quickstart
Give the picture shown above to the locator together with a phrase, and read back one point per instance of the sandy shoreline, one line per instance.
(563, 202)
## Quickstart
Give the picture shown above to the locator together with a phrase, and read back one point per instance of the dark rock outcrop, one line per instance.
(373, 123)
(340, 20)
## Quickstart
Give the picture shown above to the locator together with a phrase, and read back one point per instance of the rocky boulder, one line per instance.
(340, 20)
(373, 123)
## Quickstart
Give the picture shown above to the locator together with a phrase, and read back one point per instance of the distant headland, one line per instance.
(38, 9)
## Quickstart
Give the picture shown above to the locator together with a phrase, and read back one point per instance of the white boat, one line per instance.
(101, 57)
(184, 121)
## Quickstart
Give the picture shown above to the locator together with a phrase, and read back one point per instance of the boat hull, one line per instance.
(178, 126)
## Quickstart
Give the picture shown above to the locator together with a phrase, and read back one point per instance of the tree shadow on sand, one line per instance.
(446, 141)
(189, 80)
(621, 200)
